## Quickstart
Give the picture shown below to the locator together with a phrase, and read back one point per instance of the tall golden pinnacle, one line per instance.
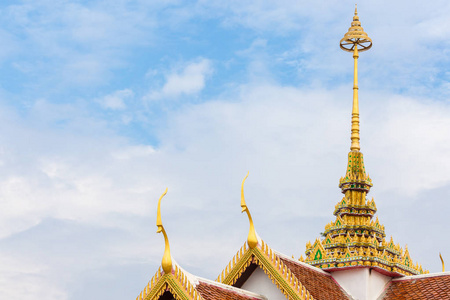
(167, 258)
(355, 40)
(355, 239)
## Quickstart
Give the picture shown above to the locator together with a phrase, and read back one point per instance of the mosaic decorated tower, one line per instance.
(355, 239)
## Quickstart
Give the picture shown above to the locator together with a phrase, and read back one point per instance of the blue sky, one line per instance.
(103, 104)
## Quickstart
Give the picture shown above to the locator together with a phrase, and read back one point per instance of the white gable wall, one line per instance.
(260, 283)
(361, 283)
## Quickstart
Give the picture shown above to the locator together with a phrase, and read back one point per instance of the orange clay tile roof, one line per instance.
(427, 287)
(217, 291)
(320, 285)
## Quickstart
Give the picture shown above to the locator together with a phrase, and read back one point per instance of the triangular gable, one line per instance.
(177, 283)
(269, 261)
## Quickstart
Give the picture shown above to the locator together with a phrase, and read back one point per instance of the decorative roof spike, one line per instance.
(252, 239)
(167, 259)
(442, 260)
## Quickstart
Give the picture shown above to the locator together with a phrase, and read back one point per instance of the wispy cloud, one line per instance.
(190, 79)
(116, 100)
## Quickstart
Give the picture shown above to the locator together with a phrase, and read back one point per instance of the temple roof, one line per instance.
(185, 286)
(430, 286)
(295, 279)
(172, 279)
(320, 284)
(210, 290)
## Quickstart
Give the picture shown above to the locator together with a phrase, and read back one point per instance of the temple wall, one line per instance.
(361, 283)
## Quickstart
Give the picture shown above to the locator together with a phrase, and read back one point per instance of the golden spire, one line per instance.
(442, 260)
(167, 259)
(355, 239)
(355, 40)
(252, 240)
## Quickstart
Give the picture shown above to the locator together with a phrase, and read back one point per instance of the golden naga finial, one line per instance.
(442, 260)
(355, 40)
(252, 240)
(167, 259)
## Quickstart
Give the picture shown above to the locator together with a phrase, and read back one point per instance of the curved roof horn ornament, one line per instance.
(252, 239)
(167, 258)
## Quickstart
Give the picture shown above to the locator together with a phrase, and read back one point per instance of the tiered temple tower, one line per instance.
(355, 239)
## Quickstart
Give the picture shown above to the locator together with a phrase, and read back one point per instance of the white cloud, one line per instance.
(71, 44)
(116, 100)
(189, 80)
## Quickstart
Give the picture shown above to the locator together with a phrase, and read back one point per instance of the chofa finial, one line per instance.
(252, 240)
(442, 260)
(167, 259)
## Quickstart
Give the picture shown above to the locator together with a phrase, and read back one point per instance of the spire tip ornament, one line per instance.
(167, 258)
(252, 239)
(356, 36)
(355, 40)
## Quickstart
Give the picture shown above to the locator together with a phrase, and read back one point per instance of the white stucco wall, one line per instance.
(260, 283)
(362, 283)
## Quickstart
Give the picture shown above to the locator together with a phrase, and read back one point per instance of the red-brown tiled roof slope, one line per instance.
(321, 285)
(420, 287)
(217, 291)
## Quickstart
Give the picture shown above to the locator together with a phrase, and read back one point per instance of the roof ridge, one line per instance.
(430, 275)
(191, 277)
(284, 256)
